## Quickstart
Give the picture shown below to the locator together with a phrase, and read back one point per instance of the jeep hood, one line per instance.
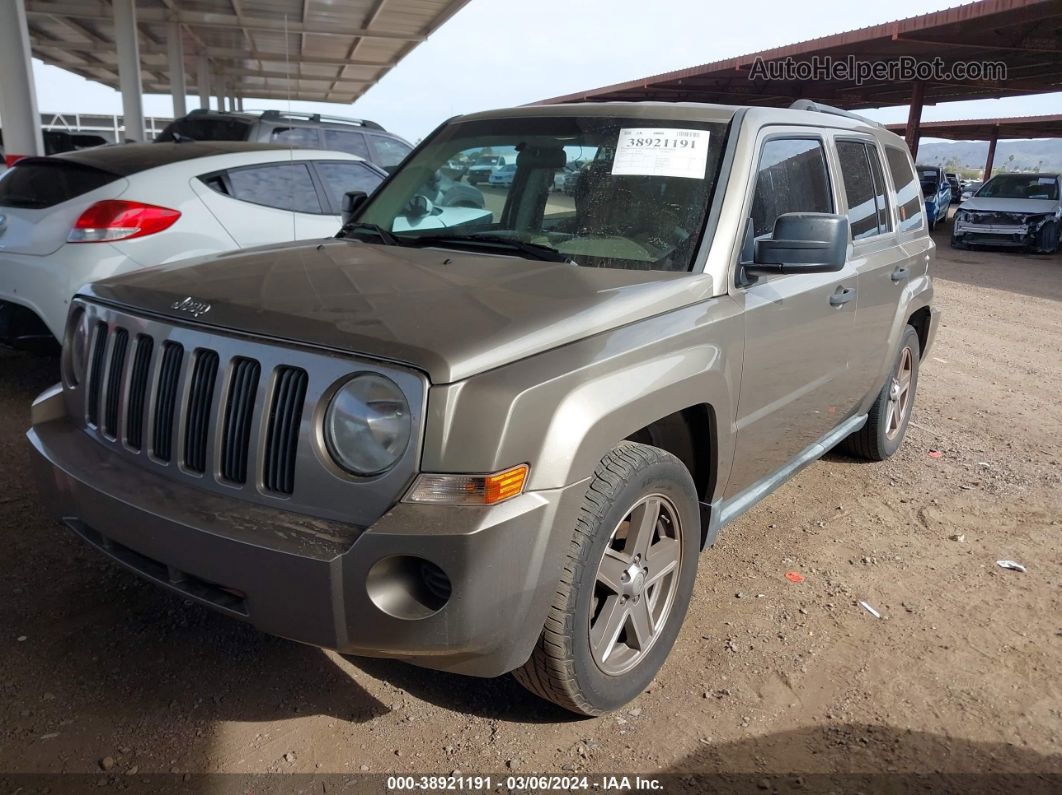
(449, 313)
(1010, 205)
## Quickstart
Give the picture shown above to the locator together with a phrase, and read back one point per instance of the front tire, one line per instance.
(626, 584)
(888, 418)
(1047, 239)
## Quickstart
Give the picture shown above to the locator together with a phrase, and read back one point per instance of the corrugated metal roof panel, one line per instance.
(316, 50)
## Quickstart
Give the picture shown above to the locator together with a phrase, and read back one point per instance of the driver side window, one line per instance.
(791, 177)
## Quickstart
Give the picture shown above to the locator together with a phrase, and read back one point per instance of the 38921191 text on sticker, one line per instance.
(661, 152)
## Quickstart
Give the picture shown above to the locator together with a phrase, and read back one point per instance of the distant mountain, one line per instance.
(1042, 154)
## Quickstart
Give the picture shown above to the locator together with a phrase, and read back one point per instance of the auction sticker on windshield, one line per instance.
(661, 152)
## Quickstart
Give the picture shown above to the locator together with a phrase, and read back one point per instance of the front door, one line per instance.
(798, 327)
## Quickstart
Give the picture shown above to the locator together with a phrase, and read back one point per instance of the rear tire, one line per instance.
(888, 418)
(623, 594)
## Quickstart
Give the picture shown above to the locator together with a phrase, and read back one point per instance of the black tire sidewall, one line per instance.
(1047, 240)
(671, 479)
(890, 446)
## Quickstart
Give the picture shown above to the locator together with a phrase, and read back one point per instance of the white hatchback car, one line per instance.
(81, 216)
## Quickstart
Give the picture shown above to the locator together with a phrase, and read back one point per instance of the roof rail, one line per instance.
(317, 117)
(818, 107)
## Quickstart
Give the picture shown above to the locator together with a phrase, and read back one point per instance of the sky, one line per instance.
(499, 53)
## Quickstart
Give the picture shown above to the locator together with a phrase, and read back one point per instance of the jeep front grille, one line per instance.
(232, 413)
(114, 382)
(166, 399)
(285, 415)
(243, 392)
(138, 386)
(95, 377)
(197, 420)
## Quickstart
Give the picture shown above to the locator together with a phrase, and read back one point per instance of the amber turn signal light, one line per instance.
(469, 489)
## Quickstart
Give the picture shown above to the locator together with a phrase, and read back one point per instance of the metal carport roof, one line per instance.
(1026, 35)
(319, 50)
(987, 129)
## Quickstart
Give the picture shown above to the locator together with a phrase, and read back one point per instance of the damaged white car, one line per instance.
(1020, 210)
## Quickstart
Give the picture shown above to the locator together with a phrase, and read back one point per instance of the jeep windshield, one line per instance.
(638, 199)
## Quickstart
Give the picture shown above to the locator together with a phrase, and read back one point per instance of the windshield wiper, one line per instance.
(385, 236)
(534, 251)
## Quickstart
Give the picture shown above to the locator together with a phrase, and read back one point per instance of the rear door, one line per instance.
(889, 254)
(794, 380)
(883, 266)
(267, 203)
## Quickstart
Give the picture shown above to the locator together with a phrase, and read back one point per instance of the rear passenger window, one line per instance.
(353, 143)
(881, 191)
(302, 137)
(908, 192)
(792, 177)
(859, 185)
(286, 186)
(389, 152)
(339, 178)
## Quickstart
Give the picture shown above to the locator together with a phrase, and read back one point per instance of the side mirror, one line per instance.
(802, 243)
(352, 202)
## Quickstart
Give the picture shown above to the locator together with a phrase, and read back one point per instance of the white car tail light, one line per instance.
(115, 219)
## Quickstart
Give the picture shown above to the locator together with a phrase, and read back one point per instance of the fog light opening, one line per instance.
(408, 587)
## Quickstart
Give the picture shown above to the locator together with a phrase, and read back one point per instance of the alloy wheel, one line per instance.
(899, 403)
(635, 586)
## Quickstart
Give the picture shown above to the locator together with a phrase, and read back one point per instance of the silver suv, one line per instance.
(493, 439)
(360, 137)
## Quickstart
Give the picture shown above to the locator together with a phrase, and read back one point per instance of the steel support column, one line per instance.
(175, 50)
(18, 94)
(203, 80)
(128, 47)
(991, 153)
(914, 117)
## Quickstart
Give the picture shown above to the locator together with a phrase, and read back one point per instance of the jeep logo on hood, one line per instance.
(191, 306)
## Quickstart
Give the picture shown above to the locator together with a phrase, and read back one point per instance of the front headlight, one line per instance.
(367, 425)
(78, 338)
(961, 216)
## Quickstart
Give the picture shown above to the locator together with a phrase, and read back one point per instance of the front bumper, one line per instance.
(1017, 234)
(305, 578)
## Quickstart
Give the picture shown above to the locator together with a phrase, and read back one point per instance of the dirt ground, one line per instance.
(961, 674)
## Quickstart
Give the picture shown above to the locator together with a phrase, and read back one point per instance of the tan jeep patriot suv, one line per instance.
(493, 439)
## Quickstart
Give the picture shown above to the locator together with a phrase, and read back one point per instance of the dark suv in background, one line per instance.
(303, 130)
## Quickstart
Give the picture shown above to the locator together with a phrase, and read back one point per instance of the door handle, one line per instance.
(900, 274)
(842, 296)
